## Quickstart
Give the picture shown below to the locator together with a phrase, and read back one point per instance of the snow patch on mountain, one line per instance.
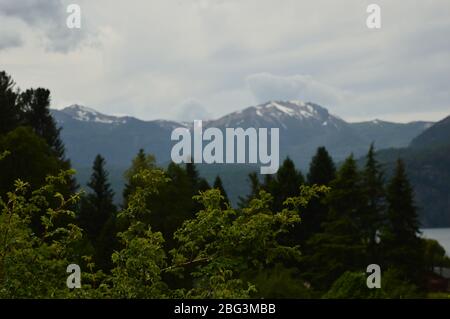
(86, 114)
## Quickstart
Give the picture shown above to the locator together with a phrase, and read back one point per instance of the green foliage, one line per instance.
(180, 239)
(32, 266)
(29, 158)
(138, 266)
(30, 109)
(223, 243)
(352, 285)
(219, 185)
(434, 254)
(280, 282)
(139, 163)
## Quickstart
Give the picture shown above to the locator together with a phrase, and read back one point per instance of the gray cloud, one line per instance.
(266, 86)
(46, 17)
(191, 110)
(8, 41)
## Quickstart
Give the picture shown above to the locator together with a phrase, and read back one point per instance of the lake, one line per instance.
(442, 235)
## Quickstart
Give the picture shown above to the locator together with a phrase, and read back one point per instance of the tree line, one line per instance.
(176, 236)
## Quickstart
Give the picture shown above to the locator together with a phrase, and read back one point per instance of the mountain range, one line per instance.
(304, 126)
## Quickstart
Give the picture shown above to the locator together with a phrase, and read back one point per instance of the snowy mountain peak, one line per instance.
(282, 114)
(86, 114)
(295, 109)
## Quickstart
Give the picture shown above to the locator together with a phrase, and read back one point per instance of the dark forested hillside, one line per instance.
(428, 165)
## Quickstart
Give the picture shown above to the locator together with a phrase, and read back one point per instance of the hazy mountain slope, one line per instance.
(87, 133)
(428, 165)
(388, 134)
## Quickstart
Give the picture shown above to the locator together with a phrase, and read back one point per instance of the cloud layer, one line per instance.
(148, 57)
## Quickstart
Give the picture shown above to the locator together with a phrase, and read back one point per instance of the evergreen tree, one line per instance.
(9, 112)
(172, 204)
(286, 184)
(322, 171)
(30, 159)
(35, 112)
(373, 186)
(35, 104)
(98, 212)
(219, 185)
(340, 246)
(402, 247)
(193, 175)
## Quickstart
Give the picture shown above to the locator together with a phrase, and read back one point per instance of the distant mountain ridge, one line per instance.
(303, 127)
(427, 161)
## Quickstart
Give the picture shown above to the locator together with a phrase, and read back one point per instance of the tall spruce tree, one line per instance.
(35, 113)
(402, 248)
(322, 171)
(9, 112)
(373, 215)
(340, 246)
(172, 205)
(35, 104)
(286, 184)
(98, 213)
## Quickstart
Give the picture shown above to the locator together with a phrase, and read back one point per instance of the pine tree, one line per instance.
(35, 104)
(35, 107)
(98, 212)
(373, 186)
(219, 185)
(9, 112)
(286, 184)
(322, 171)
(340, 246)
(402, 247)
(193, 175)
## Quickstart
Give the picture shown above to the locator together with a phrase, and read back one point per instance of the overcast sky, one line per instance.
(186, 59)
